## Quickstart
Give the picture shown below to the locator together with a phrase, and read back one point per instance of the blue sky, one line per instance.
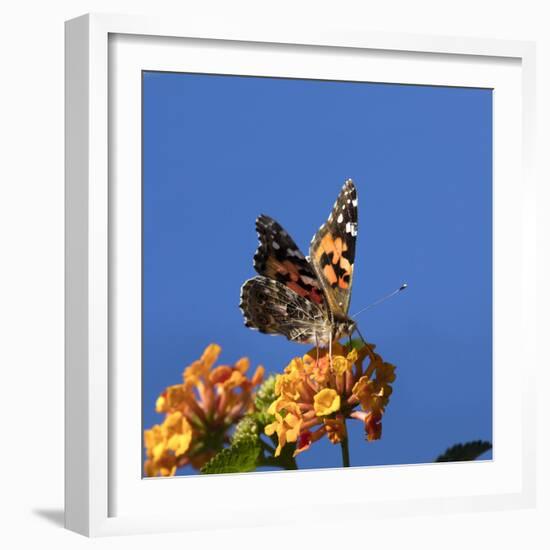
(220, 150)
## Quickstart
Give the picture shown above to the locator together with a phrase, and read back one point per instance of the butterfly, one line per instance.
(305, 299)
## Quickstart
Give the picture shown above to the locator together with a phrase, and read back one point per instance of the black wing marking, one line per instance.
(332, 250)
(279, 258)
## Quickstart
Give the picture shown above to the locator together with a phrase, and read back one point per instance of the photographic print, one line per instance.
(317, 274)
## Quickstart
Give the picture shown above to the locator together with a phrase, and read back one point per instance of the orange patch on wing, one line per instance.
(330, 274)
(297, 288)
(345, 266)
(286, 267)
(292, 269)
(289, 268)
(315, 296)
(342, 283)
(337, 247)
(329, 244)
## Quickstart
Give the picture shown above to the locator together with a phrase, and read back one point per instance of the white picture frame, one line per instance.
(104, 491)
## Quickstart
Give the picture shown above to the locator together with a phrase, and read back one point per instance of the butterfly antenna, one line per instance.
(383, 299)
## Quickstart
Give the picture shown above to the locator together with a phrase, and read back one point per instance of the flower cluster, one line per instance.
(199, 413)
(315, 395)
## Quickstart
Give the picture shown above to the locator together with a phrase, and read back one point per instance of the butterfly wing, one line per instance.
(273, 308)
(279, 258)
(332, 250)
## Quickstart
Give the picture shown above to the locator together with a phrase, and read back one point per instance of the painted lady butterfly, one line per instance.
(305, 299)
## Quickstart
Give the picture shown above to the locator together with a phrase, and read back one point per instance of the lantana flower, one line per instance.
(315, 396)
(199, 413)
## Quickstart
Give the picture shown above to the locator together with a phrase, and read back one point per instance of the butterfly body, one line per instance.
(304, 299)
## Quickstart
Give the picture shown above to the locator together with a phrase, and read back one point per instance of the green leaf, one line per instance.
(465, 451)
(241, 456)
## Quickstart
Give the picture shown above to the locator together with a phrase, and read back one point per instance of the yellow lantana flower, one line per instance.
(165, 443)
(341, 365)
(326, 402)
(287, 423)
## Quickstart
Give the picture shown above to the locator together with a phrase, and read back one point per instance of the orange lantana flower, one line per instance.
(315, 396)
(199, 413)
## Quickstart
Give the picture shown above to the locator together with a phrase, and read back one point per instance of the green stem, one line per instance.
(345, 452)
(290, 464)
(285, 460)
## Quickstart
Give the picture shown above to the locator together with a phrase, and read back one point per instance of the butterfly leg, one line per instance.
(317, 349)
(330, 350)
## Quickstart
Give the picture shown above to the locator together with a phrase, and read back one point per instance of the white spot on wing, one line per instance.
(354, 202)
(351, 228)
(340, 218)
(275, 245)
